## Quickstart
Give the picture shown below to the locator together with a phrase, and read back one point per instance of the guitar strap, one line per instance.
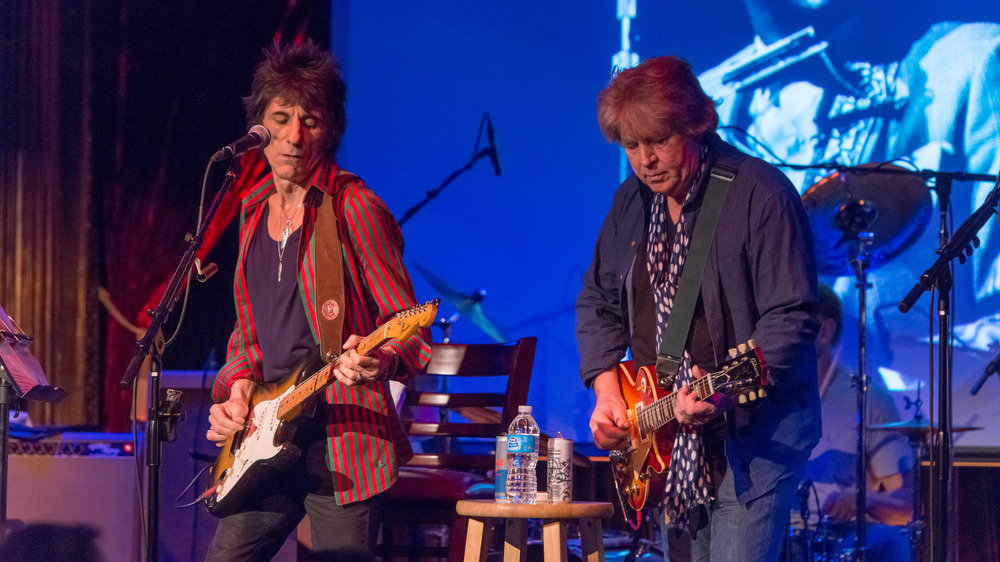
(675, 333)
(330, 271)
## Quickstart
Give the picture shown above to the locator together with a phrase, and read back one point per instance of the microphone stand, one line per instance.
(939, 277)
(860, 266)
(991, 369)
(158, 423)
(430, 195)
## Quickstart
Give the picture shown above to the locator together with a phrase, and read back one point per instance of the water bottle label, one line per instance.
(521, 444)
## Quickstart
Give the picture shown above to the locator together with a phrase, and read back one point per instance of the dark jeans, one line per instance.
(347, 532)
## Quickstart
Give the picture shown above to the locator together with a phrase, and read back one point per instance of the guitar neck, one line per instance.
(661, 412)
(317, 382)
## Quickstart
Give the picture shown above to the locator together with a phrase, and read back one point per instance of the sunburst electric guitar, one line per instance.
(275, 408)
(639, 469)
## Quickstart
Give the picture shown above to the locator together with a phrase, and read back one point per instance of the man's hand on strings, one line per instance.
(689, 409)
(226, 418)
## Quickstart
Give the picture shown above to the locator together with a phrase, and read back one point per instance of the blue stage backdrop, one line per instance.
(800, 81)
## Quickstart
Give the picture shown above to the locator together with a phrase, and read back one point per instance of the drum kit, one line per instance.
(863, 217)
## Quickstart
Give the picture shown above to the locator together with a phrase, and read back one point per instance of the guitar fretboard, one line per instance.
(317, 382)
(661, 412)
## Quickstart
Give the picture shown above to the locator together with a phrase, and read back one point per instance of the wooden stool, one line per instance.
(555, 515)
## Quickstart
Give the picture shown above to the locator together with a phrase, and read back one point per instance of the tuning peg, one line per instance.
(733, 353)
(743, 399)
(761, 393)
(753, 396)
(742, 347)
(751, 344)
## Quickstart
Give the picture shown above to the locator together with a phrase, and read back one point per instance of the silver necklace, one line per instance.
(286, 231)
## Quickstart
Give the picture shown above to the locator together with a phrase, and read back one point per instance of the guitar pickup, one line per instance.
(643, 434)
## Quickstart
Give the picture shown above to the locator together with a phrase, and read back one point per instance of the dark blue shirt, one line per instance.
(760, 283)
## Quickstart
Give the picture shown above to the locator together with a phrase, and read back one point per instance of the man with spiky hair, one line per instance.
(354, 444)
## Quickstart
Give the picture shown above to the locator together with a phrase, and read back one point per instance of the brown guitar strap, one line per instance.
(330, 272)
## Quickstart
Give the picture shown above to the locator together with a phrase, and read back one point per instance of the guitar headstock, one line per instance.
(406, 323)
(744, 375)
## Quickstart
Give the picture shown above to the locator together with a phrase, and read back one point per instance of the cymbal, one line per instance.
(918, 427)
(469, 306)
(894, 206)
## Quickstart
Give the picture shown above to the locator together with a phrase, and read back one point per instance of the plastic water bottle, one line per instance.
(522, 456)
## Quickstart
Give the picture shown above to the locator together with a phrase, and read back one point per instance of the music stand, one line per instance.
(21, 379)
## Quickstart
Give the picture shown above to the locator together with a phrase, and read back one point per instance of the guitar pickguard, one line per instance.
(257, 447)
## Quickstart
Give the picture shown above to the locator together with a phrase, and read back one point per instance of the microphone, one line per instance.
(257, 137)
(494, 156)
(990, 369)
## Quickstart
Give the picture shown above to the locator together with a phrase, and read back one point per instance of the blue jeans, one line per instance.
(730, 532)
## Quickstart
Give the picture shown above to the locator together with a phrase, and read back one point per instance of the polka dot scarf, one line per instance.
(688, 476)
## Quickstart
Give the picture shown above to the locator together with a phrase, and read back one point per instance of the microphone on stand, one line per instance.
(494, 155)
(990, 369)
(257, 137)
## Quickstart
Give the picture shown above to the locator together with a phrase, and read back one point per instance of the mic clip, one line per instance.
(206, 272)
(170, 414)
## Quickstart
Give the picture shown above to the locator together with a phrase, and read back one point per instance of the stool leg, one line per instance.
(592, 539)
(554, 540)
(477, 539)
(515, 548)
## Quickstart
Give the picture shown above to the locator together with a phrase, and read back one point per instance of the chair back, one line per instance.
(481, 414)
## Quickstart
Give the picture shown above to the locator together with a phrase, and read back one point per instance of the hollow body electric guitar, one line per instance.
(275, 410)
(639, 469)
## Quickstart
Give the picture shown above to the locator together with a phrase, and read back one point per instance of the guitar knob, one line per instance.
(743, 398)
(761, 393)
(742, 347)
(753, 396)
(751, 344)
(732, 353)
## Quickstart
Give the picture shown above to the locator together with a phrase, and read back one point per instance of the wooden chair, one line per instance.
(432, 483)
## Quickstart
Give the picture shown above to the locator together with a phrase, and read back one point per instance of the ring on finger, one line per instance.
(357, 376)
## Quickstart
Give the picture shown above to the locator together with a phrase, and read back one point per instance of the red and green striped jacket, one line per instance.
(367, 442)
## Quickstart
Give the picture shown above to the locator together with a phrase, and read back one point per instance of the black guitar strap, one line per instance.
(675, 333)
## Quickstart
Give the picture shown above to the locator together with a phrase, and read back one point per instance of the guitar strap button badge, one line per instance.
(330, 309)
